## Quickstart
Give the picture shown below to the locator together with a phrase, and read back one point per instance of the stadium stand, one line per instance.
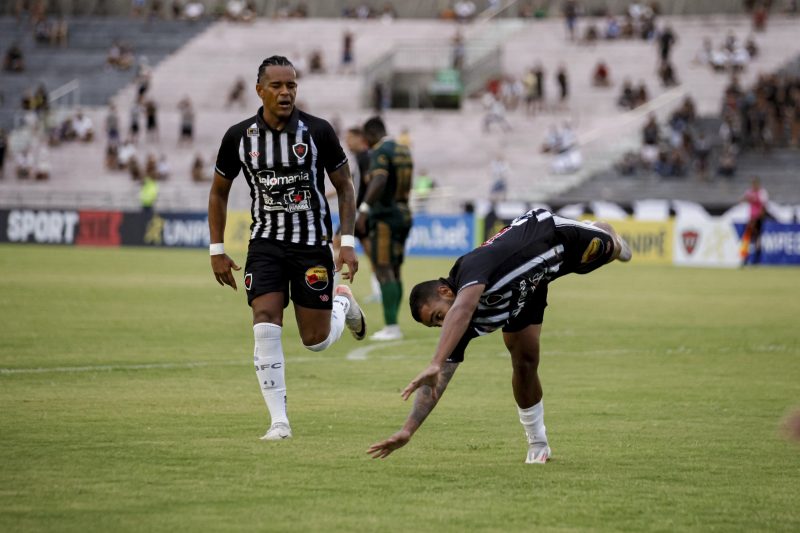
(450, 144)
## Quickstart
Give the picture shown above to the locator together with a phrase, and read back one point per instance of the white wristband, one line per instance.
(363, 208)
(217, 248)
(348, 240)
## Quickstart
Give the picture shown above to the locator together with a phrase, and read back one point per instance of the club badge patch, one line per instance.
(248, 281)
(252, 132)
(300, 150)
(690, 238)
(317, 278)
(592, 251)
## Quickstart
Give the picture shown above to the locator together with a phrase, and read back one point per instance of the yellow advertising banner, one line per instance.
(237, 231)
(651, 242)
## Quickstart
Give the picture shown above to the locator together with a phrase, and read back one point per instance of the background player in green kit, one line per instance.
(385, 214)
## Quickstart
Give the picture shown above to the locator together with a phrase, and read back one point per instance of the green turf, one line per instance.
(128, 403)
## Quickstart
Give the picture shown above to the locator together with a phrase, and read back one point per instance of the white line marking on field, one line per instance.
(360, 354)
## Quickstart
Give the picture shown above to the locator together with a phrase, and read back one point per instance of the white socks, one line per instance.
(532, 419)
(340, 307)
(268, 358)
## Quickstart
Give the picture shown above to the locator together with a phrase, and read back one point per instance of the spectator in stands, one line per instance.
(641, 95)
(316, 65)
(14, 60)
(568, 157)
(563, 86)
(530, 90)
(24, 162)
(42, 167)
(726, 164)
(570, 10)
(347, 65)
(613, 29)
(423, 187)
(465, 10)
(650, 141)
(199, 171)
(760, 14)
(151, 120)
(388, 12)
(601, 77)
(83, 127)
(112, 125)
(666, 40)
(756, 197)
(126, 155)
(162, 171)
(459, 51)
(143, 76)
(495, 113)
(194, 10)
(237, 93)
(148, 194)
(538, 71)
(133, 125)
(666, 72)
(150, 166)
(701, 151)
(627, 98)
(3, 146)
(500, 172)
(120, 56)
(186, 121)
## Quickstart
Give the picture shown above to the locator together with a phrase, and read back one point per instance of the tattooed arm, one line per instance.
(424, 402)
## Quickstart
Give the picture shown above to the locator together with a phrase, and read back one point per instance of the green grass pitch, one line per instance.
(128, 403)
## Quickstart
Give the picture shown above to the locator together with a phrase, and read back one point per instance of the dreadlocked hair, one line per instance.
(279, 61)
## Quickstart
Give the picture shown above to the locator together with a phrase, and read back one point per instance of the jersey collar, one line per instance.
(291, 126)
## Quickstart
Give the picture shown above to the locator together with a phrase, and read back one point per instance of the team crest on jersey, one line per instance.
(690, 238)
(592, 251)
(300, 150)
(252, 132)
(317, 277)
(248, 280)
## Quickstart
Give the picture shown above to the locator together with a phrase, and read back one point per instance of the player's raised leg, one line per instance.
(524, 349)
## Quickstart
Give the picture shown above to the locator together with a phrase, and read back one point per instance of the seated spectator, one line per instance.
(112, 156)
(162, 168)
(465, 10)
(640, 95)
(126, 153)
(726, 165)
(150, 165)
(629, 165)
(24, 163)
(666, 73)
(14, 60)
(701, 151)
(83, 127)
(601, 76)
(42, 172)
(315, 62)
(199, 173)
(627, 99)
(237, 93)
(613, 28)
(591, 34)
(194, 11)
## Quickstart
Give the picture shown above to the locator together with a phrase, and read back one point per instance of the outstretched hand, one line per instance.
(429, 376)
(381, 450)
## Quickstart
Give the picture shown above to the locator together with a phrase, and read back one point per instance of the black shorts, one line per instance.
(388, 233)
(302, 273)
(586, 248)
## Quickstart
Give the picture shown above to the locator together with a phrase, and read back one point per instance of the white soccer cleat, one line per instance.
(354, 318)
(278, 431)
(538, 453)
(388, 333)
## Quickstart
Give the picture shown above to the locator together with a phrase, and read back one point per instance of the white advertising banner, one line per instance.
(705, 242)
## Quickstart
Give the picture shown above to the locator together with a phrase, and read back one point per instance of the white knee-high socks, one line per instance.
(268, 358)
(532, 419)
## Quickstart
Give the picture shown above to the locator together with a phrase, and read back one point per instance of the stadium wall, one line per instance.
(683, 240)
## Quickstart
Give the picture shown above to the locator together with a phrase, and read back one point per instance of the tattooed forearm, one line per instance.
(424, 401)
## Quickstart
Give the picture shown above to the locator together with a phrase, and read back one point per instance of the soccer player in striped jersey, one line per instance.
(284, 154)
(503, 284)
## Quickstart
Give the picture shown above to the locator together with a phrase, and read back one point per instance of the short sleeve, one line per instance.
(379, 161)
(331, 152)
(228, 163)
(469, 270)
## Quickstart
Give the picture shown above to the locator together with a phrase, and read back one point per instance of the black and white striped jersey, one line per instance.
(286, 174)
(516, 265)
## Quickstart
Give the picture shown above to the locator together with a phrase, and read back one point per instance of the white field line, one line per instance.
(360, 354)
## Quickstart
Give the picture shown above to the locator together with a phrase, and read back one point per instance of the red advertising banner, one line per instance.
(99, 228)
